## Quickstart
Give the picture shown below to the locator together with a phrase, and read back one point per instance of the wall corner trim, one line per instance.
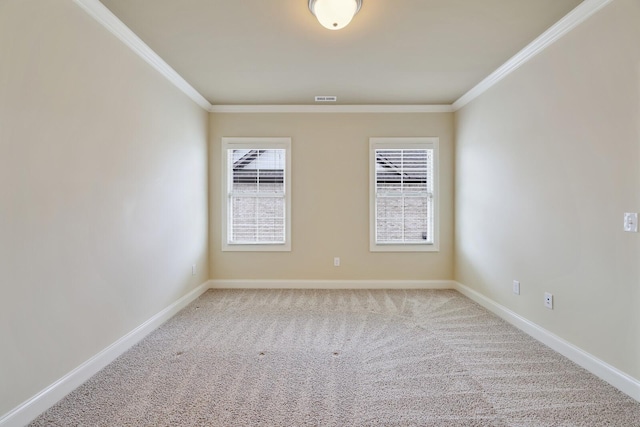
(108, 20)
(601, 369)
(30, 409)
(574, 18)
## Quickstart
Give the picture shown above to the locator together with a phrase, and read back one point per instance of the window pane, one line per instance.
(403, 186)
(415, 220)
(389, 170)
(271, 219)
(257, 170)
(415, 170)
(257, 219)
(257, 214)
(257, 202)
(389, 221)
(403, 220)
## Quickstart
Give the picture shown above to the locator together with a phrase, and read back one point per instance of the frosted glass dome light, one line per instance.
(334, 14)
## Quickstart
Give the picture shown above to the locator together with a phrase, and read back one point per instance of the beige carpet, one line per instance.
(341, 358)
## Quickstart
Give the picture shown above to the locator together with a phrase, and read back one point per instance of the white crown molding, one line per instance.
(331, 109)
(574, 18)
(332, 284)
(599, 368)
(108, 20)
(29, 410)
(105, 17)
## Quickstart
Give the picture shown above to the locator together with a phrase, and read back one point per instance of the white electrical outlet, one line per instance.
(336, 262)
(193, 270)
(631, 222)
(516, 287)
(548, 300)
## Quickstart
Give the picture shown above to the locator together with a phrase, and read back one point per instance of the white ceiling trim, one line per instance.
(108, 20)
(105, 17)
(574, 18)
(331, 109)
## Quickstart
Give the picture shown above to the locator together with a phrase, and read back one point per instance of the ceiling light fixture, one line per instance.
(334, 14)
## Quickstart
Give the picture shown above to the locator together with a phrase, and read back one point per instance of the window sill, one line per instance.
(250, 247)
(404, 248)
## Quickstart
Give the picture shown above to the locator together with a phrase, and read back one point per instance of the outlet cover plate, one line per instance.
(631, 222)
(516, 287)
(548, 300)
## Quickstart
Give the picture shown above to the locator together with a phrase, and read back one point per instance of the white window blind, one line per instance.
(403, 193)
(256, 195)
(404, 196)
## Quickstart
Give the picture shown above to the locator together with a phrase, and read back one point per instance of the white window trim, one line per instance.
(404, 143)
(230, 143)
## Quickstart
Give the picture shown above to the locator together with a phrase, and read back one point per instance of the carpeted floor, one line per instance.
(341, 358)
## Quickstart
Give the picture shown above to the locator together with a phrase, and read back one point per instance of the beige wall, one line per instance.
(103, 193)
(547, 162)
(330, 197)
(104, 188)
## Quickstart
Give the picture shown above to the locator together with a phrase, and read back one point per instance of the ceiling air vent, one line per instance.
(326, 98)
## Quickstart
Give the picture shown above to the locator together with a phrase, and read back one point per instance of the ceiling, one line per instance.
(394, 52)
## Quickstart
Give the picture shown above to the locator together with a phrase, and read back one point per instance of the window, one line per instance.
(404, 194)
(257, 194)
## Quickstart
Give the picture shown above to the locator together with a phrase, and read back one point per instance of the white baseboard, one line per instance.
(332, 284)
(29, 410)
(602, 370)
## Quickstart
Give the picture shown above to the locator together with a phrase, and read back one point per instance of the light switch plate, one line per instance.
(631, 222)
